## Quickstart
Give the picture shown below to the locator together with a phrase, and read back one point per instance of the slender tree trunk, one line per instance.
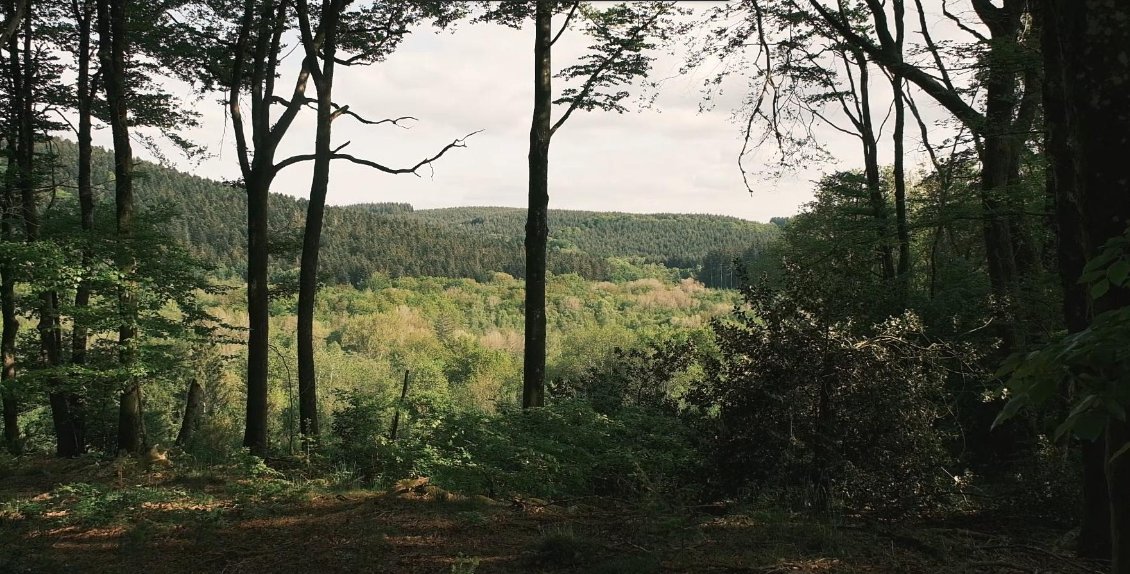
(871, 169)
(315, 211)
(257, 47)
(193, 409)
(898, 85)
(901, 225)
(1086, 103)
(86, 94)
(537, 223)
(8, 209)
(11, 324)
(112, 17)
(823, 443)
(65, 414)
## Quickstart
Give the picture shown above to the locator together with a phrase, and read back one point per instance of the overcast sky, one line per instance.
(668, 158)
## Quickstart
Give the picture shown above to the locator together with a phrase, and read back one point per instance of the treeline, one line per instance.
(677, 240)
(393, 239)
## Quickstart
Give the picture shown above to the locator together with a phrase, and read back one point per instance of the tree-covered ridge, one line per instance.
(673, 239)
(396, 240)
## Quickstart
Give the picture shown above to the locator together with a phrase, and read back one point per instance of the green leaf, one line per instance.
(1118, 273)
(1099, 289)
(1010, 409)
(1102, 260)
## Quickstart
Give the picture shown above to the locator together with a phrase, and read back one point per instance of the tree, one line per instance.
(1085, 65)
(113, 51)
(250, 66)
(622, 35)
(14, 14)
(371, 33)
(1011, 84)
(29, 73)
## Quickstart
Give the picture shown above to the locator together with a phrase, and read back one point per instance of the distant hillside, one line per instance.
(392, 238)
(673, 239)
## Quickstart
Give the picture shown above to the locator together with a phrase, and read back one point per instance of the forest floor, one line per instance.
(97, 516)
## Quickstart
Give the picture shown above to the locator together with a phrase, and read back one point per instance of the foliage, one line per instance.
(361, 240)
(796, 403)
(646, 376)
(1092, 363)
(565, 449)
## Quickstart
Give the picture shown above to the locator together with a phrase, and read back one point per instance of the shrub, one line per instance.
(567, 449)
(814, 411)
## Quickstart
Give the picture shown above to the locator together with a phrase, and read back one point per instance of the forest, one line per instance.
(924, 370)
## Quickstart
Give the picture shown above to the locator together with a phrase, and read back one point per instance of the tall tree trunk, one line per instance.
(256, 51)
(1086, 103)
(901, 225)
(1003, 135)
(823, 447)
(315, 211)
(11, 324)
(537, 222)
(898, 85)
(112, 27)
(86, 91)
(258, 314)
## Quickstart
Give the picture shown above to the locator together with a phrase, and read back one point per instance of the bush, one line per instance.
(567, 449)
(815, 411)
(643, 376)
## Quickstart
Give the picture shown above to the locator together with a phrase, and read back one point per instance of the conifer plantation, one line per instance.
(274, 364)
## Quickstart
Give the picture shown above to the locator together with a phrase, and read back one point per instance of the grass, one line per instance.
(94, 516)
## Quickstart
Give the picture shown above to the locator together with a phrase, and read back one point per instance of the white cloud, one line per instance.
(668, 158)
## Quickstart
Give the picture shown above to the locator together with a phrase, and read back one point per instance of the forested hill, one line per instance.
(392, 238)
(674, 239)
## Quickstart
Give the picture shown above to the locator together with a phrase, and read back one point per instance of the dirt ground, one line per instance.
(79, 516)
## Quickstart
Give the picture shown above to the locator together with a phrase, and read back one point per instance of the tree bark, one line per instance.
(193, 409)
(86, 92)
(11, 324)
(898, 85)
(258, 314)
(537, 223)
(1087, 117)
(112, 28)
(315, 211)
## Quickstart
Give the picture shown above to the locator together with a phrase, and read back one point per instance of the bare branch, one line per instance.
(765, 87)
(944, 96)
(344, 110)
(932, 47)
(957, 20)
(458, 143)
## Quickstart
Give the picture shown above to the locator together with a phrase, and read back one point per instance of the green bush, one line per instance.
(819, 412)
(567, 449)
